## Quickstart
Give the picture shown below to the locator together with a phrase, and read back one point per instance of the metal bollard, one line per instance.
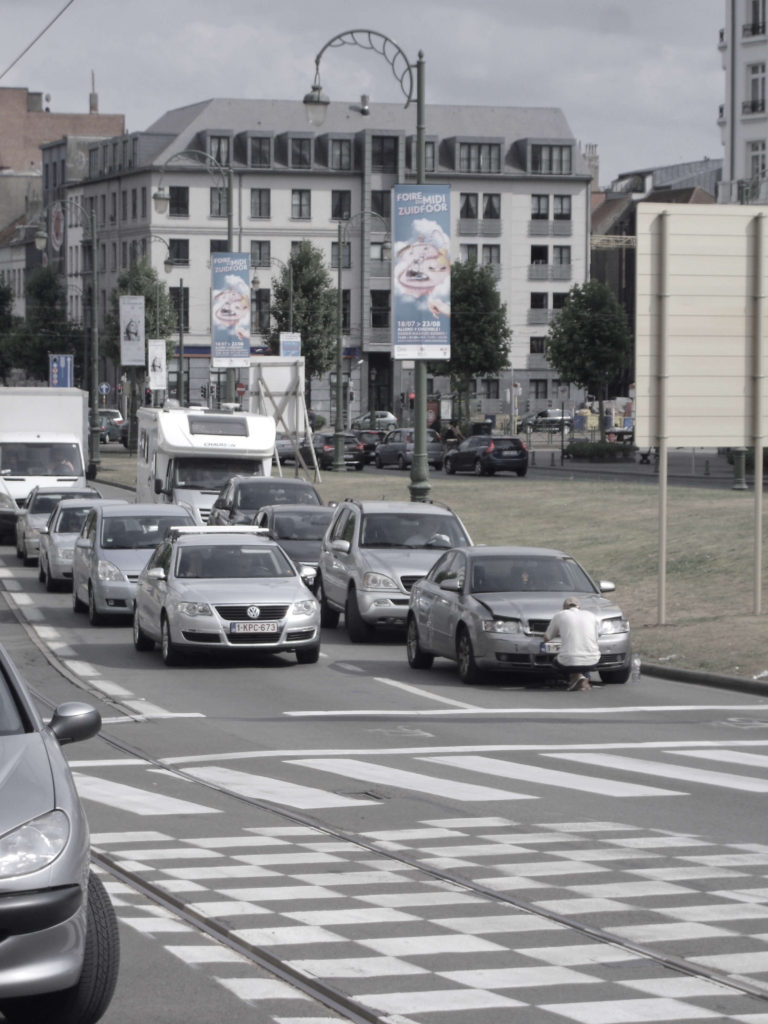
(533, 458)
(552, 459)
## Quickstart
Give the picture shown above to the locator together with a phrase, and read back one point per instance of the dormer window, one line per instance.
(301, 153)
(219, 149)
(260, 154)
(550, 159)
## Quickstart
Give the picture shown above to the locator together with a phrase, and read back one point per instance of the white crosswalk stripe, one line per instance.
(665, 770)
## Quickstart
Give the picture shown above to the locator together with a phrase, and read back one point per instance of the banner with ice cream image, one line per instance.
(230, 309)
(421, 272)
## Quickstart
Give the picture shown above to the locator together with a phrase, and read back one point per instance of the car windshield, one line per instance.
(209, 474)
(410, 530)
(233, 562)
(521, 573)
(43, 503)
(40, 459)
(264, 492)
(70, 520)
(138, 531)
(306, 526)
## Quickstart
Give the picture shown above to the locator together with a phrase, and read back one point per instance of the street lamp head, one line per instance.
(316, 103)
(169, 264)
(161, 200)
(41, 240)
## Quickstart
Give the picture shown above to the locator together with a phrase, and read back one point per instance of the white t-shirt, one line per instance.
(578, 630)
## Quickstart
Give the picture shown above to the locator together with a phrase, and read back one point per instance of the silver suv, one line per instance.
(372, 554)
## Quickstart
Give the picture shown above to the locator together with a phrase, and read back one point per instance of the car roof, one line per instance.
(81, 492)
(296, 509)
(90, 502)
(192, 536)
(268, 481)
(403, 507)
(146, 509)
(509, 549)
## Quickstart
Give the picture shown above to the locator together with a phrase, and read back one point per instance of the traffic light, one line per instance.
(147, 396)
(203, 391)
(411, 397)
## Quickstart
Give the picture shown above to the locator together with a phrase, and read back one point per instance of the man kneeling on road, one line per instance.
(579, 648)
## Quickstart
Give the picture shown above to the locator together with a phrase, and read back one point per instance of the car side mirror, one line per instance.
(156, 573)
(74, 721)
(606, 586)
(453, 586)
(342, 546)
(158, 486)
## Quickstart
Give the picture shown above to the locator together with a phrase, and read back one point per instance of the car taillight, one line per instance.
(360, 447)
(524, 446)
(328, 448)
(490, 447)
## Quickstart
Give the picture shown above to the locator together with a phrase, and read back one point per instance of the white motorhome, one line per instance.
(185, 456)
(43, 438)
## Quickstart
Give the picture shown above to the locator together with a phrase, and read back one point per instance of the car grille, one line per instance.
(239, 612)
(205, 515)
(253, 639)
(408, 581)
(201, 638)
(299, 634)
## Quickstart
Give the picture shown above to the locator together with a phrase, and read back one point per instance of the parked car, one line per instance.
(383, 420)
(58, 536)
(38, 506)
(224, 589)
(112, 414)
(113, 547)
(552, 420)
(488, 608)
(242, 497)
(60, 943)
(109, 429)
(299, 530)
(370, 439)
(484, 455)
(9, 510)
(324, 444)
(285, 448)
(397, 449)
(372, 554)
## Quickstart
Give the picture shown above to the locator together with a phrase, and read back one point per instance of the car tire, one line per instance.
(417, 657)
(77, 604)
(401, 463)
(87, 1001)
(477, 468)
(465, 658)
(620, 675)
(40, 570)
(438, 466)
(19, 550)
(358, 629)
(359, 466)
(50, 583)
(329, 617)
(308, 655)
(141, 641)
(450, 467)
(377, 460)
(94, 616)
(168, 648)
(522, 472)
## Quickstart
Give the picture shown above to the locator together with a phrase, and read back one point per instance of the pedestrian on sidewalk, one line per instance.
(579, 650)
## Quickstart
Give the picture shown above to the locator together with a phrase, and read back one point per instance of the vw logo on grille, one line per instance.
(253, 611)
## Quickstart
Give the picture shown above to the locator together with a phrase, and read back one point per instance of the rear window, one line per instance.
(254, 496)
(505, 443)
(138, 531)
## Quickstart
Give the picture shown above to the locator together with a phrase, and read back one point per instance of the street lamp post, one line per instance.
(316, 104)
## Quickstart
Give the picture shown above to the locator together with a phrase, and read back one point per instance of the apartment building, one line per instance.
(519, 202)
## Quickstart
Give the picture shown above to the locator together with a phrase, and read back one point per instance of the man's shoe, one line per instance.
(583, 684)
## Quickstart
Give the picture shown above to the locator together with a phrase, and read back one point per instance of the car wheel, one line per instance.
(358, 629)
(401, 463)
(40, 570)
(141, 641)
(50, 583)
(169, 650)
(438, 466)
(379, 463)
(522, 472)
(19, 550)
(465, 658)
(329, 617)
(308, 655)
(450, 467)
(87, 1001)
(478, 468)
(77, 604)
(359, 466)
(620, 675)
(94, 616)
(417, 658)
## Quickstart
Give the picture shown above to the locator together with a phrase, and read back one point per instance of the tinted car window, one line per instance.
(145, 531)
(410, 531)
(254, 496)
(308, 526)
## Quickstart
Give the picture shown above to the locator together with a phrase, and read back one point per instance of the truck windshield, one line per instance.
(210, 474)
(40, 459)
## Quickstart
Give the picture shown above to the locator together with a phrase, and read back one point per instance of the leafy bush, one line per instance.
(599, 451)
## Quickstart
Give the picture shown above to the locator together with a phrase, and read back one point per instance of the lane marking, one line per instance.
(572, 711)
(417, 691)
(279, 792)
(670, 771)
(143, 802)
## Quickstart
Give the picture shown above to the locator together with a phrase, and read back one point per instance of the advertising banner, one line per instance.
(156, 364)
(290, 344)
(230, 309)
(61, 371)
(421, 272)
(132, 346)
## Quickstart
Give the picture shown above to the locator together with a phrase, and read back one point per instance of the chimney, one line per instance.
(93, 99)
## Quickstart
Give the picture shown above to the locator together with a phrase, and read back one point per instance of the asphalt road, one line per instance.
(356, 840)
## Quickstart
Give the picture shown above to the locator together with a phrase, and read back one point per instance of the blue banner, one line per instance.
(421, 272)
(230, 309)
(61, 371)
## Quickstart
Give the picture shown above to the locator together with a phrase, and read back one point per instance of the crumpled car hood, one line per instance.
(26, 781)
(526, 606)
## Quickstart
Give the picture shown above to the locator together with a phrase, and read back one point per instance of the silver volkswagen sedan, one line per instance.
(488, 608)
(222, 589)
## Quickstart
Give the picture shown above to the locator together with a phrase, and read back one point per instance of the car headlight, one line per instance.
(502, 626)
(193, 608)
(34, 845)
(7, 502)
(378, 581)
(107, 571)
(303, 607)
(616, 625)
(32, 533)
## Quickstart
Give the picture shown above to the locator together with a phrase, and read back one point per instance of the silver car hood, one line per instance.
(26, 780)
(399, 562)
(526, 606)
(302, 550)
(233, 591)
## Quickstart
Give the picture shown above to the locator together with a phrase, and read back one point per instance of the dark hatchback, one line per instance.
(485, 455)
(369, 440)
(324, 443)
(242, 497)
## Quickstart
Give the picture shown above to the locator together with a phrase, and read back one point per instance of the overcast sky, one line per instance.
(641, 78)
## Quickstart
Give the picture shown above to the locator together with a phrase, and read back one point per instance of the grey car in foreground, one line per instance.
(223, 589)
(59, 946)
(487, 609)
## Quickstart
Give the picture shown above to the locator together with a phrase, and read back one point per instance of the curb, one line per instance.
(721, 682)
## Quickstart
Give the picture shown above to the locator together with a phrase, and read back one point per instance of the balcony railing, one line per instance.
(753, 107)
(753, 28)
(540, 316)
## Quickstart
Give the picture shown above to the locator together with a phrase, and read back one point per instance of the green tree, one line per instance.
(589, 342)
(160, 316)
(45, 330)
(305, 287)
(479, 329)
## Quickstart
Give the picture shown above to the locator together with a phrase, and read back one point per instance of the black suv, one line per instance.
(551, 420)
(485, 455)
(241, 497)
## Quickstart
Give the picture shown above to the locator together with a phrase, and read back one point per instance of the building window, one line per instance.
(134, 204)
(346, 310)
(561, 255)
(559, 299)
(178, 201)
(261, 254)
(491, 206)
(123, 256)
(341, 204)
(346, 255)
(260, 203)
(539, 255)
(490, 387)
(218, 245)
(301, 153)
(384, 153)
(539, 207)
(381, 204)
(492, 255)
(550, 159)
(93, 163)
(755, 89)
(562, 208)
(219, 203)
(102, 209)
(218, 149)
(301, 204)
(175, 296)
(480, 157)
(538, 345)
(756, 14)
(429, 156)
(468, 205)
(178, 251)
(538, 388)
(380, 253)
(260, 316)
(380, 308)
(539, 300)
(260, 151)
(341, 154)
(468, 253)
(756, 159)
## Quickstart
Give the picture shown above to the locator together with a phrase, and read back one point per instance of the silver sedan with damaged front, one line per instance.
(227, 588)
(488, 608)
(59, 945)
